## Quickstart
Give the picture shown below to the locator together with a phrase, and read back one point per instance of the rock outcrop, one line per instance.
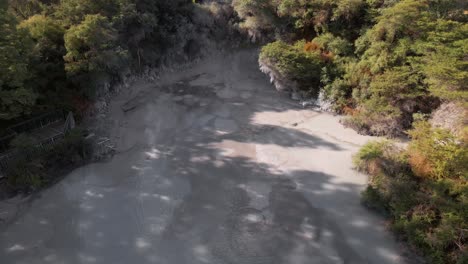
(281, 82)
(451, 116)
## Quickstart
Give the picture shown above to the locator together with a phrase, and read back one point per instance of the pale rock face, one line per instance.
(449, 116)
(100, 106)
(323, 103)
(280, 82)
(296, 96)
(283, 85)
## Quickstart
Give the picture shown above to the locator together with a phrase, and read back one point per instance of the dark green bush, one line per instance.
(27, 175)
(35, 167)
(74, 149)
(373, 199)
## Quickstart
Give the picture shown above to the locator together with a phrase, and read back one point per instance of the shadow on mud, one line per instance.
(237, 210)
(219, 216)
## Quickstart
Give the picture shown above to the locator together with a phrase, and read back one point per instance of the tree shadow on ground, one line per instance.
(234, 210)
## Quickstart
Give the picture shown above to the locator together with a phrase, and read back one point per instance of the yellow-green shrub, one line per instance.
(423, 191)
(436, 153)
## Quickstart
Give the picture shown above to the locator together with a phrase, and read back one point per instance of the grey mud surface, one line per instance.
(212, 166)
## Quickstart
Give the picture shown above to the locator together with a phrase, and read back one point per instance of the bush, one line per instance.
(370, 155)
(435, 153)
(295, 63)
(377, 118)
(337, 45)
(372, 198)
(74, 149)
(34, 167)
(27, 175)
(427, 209)
(381, 157)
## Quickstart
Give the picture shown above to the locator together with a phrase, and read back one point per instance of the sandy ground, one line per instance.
(213, 166)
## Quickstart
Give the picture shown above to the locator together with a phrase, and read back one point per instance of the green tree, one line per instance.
(72, 12)
(16, 98)
(93, 53)
(259, 17)
(47, 64)
(389, 41)
(23, 9)
(296, 62)
(445, 63)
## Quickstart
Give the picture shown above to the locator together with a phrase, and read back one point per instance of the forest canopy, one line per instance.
(56, 53)
(390, 59)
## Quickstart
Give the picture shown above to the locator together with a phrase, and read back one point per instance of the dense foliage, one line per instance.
(303, 65)
(423, 190)
(16, 98)
(388, 65)
(60, 54)
(34, 167)
(380, 61)
(391, 59)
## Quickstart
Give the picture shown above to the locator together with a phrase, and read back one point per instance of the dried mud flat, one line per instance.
(212, 166)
